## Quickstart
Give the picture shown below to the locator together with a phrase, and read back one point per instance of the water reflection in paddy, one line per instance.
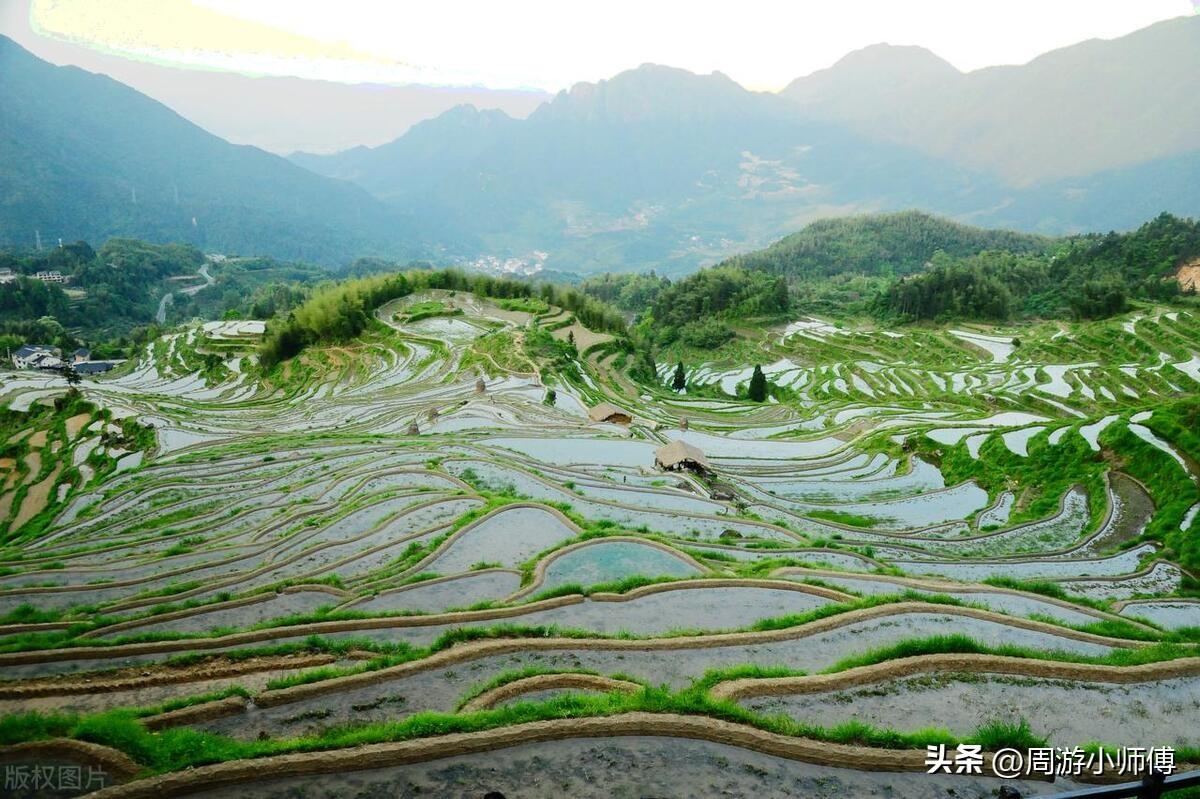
(613, 560)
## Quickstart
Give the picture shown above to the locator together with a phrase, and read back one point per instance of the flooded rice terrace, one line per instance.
(319, 572)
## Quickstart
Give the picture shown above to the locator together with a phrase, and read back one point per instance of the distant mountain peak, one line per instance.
(876, 68)
(650, 91)
(907, 57)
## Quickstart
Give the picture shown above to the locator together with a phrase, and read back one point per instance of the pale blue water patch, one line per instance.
(1057, 384)
(1190, 517)
(455, 424)
(1017, 441)
(950, 435)
(604, 452)
(349, 526)
(723, 447)
(1113, 566)
(509, 538)
(975, 442)
(1162, 579)
(1053, 533)
(670, 522)
(569, 403)
(1000, 348)
(758, 433)
(278, 606)
(658, 500)
(852, 468)
(1091, 432)
(847, 561)
(997, 514)
(921, 477)
(1000, 601)
(922, 510)
(609, 561)
(1008, 419)
(1171, 614)
(435, 597)
(1147, 435)
(675, 667)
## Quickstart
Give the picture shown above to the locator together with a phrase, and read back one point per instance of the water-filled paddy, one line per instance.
(508, 538)
(613, 560)
(601, 451)
(1171, 615)
(961, 703)
(439, 595)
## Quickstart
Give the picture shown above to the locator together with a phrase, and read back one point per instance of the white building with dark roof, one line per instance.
(37, 356)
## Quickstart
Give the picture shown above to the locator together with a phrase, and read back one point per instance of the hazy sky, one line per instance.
(551, 44)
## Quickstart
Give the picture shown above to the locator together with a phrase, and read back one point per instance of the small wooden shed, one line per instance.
(607, 412)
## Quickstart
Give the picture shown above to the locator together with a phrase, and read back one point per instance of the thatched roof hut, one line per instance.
(607, 412)
(681, 455)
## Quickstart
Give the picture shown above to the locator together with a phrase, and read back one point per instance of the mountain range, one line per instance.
(85, 157)
(1095, 106)
(655, 168)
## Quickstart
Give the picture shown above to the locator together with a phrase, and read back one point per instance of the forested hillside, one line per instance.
(907, 267)
(880, 244)
(109, 292)
(1086, 277)
(84, 157)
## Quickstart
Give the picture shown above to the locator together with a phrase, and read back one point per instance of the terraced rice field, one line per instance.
(926, 536)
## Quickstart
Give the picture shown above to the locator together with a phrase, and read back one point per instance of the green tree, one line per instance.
(679, 382)
(72, 377)
(757, 391)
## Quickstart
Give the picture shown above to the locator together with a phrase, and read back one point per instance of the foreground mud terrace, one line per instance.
(1148, 705)
(1159, 713)
(632, 755)
(439, 682)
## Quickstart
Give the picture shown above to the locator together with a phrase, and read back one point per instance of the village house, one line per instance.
(37, 356)
(93, 367)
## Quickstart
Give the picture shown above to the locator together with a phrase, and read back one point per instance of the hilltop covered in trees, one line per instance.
(831, 266)
(1085, 277)
(696, 310)
(336, 312)
(880, 244)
